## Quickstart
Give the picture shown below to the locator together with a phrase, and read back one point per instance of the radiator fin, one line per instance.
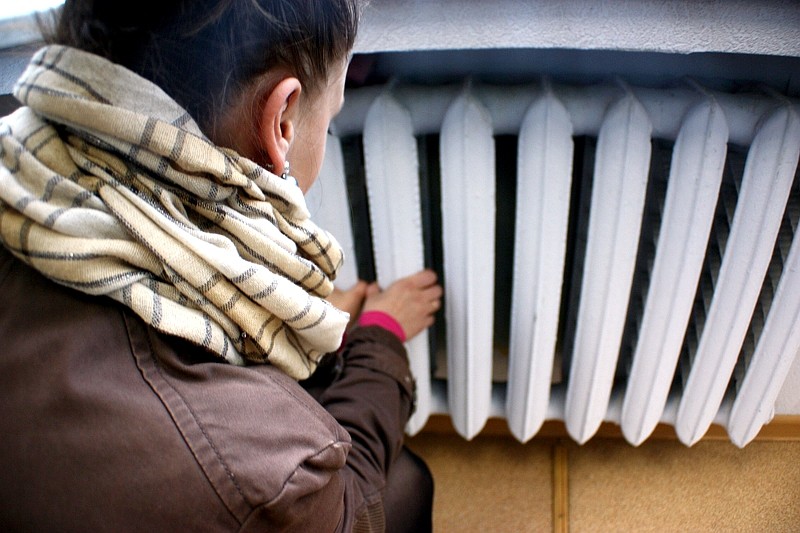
(618, 193)
(468, 222)
(391, 163)
(545, 152)
(328, 203)
(778, 343)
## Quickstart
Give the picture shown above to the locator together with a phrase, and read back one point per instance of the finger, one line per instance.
(434, 292)
(360, 287)
(424, 278)
(373, 289)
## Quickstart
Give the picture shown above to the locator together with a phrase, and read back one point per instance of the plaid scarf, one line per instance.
(109, 187)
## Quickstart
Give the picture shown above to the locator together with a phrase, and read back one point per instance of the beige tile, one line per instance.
(488, 484)
(664, 486)
(494, 483)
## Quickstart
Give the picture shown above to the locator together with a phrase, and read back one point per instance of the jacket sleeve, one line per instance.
(369, 390)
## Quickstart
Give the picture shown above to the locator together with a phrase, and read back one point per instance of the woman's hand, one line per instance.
(412, 301)
(350, 300)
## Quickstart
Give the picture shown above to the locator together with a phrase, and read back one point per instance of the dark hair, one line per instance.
(203, 53)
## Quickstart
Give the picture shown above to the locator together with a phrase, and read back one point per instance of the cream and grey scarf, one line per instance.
(108, 186)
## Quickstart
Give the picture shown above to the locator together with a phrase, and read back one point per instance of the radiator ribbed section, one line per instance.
(694, 179)
(768, 175)
(390, 160)
(655, 261)
(618, 193)
(467, 156)
(544, 179)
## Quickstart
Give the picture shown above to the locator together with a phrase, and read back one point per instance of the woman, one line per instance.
(164, 290)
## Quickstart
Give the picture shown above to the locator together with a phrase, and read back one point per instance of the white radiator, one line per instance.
(656, 277)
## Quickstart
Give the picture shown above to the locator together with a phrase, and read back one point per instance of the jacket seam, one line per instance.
(301, 466)
(197, 421)
(173, 415)
(288, 479)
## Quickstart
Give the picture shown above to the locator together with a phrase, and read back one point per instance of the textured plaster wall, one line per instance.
(676, 26)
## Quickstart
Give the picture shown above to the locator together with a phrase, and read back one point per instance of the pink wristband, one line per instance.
(383, 320)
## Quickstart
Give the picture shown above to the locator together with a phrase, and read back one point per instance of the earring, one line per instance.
(285, 175)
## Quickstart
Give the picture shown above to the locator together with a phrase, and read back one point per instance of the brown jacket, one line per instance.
(108, 425)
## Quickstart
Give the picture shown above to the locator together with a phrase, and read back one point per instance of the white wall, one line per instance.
(675, 26)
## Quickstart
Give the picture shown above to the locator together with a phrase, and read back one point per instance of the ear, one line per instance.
(276, 120)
